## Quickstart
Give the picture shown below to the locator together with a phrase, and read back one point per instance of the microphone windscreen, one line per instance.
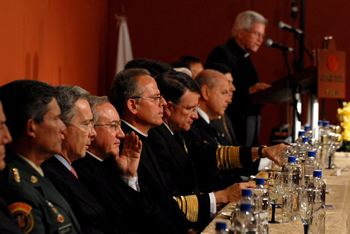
(281, 25)
(269, 42)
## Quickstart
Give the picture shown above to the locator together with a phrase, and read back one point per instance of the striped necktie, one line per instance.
(73, 171)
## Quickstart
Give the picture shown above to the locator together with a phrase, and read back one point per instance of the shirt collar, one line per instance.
(203, 115)
(99, 159)
(167, 126)
(38, 169)
(131, 126)
(63, 161)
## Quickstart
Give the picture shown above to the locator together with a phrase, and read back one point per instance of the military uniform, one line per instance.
(7, 224)
(33, 201)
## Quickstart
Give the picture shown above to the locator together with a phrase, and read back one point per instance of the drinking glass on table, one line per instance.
(305, 207)
(274, 176)
(287, 187)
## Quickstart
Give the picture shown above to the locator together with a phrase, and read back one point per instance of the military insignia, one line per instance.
(21, 212)
(16, 176)
(33, 179)
(60, 218)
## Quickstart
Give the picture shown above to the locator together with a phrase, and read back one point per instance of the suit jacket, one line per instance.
(31, 196)
(201, 139)
(201, 131)
(210, 178)
(229, 136)
(235, 174)
(244, 114)
(152, 178)
(7, 224)
(90, 214)
(178, 169)
(123, 204)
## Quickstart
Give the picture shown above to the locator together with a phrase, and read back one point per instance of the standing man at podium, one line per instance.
(248, 34)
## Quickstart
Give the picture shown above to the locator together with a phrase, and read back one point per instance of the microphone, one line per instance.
(270, 43)
(289, 28)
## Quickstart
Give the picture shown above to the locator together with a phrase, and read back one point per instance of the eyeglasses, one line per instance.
(191, 110)
(257, 34)
(113, 125)
(153, 99)
(88, 125)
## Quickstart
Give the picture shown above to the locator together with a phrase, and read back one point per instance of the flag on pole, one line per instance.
(124, 51)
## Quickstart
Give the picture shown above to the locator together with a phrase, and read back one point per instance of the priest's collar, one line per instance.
(167, 126)
(136, 130)
(97, 158)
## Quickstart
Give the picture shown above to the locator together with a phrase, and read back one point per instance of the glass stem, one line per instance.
(273, 212)
(306, 228)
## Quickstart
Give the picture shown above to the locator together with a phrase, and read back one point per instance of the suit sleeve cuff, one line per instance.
(131, 182)
(212, 205)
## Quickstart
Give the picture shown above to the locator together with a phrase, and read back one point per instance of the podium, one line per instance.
(280, 91)
(326, 79)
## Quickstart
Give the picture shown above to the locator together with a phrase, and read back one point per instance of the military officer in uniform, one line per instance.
(7, 224)
(37, 131)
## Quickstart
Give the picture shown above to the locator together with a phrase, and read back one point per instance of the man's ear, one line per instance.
(205, 92)
(168, 108)
(240, 33)
(131, 104)
(31, 127)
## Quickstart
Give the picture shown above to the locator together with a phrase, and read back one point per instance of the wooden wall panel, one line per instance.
(74, 41)
(60, 42)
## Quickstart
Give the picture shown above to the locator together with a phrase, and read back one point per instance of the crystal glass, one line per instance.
(335, 141)
(305, 207)
(274, 176)
(287, 187)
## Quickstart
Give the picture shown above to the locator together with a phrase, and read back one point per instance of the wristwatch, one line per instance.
(260, 151)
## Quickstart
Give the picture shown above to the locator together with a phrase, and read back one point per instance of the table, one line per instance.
(337, 220)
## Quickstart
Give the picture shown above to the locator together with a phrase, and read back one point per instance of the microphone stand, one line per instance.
(294, 92)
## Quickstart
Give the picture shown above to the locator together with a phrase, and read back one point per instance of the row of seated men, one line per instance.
(77, 163)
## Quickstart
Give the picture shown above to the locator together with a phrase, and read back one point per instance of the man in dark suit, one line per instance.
(213, 101)
(223, 124)
(33, 120)
(138, 101)
(174, 154)
(178, 151)
(7, 224)
(112, 175)
(248, 34)
(210, 79)
(77, 116)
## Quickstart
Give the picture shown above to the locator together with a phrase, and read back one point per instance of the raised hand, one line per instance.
(128, 160)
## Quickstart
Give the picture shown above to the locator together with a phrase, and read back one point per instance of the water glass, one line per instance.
(305, 207)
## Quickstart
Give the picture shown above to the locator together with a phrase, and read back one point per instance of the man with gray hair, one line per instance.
(248, 33)
(33, 120)
(77, 116)
(136, 97)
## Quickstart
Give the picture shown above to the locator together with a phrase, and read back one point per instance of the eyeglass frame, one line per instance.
(191, 110)
(160, 97)
(82, 125)
(115, 124)
(255, 33)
